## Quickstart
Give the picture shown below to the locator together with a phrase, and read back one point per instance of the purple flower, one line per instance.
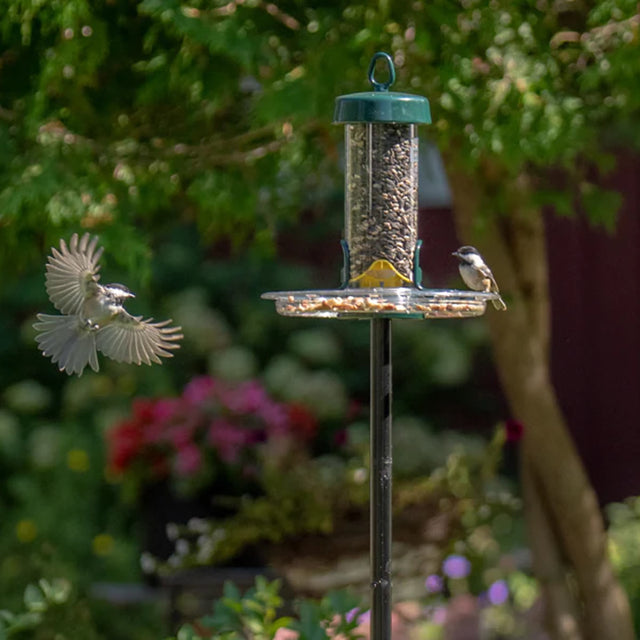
(498, 592)
(456, 566)
(434, 583)
(365, 617)
(352, 614)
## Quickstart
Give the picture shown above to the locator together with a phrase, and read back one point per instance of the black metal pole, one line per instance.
(380, 486)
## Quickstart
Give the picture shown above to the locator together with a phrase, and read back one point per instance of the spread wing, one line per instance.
(72, 273)
(67, 343)
(131, 339)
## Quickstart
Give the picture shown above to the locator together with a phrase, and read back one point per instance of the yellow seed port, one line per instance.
(381, 273)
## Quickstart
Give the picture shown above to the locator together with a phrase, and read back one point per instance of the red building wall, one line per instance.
(595, 292)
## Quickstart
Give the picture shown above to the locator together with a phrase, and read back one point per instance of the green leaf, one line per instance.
(278, 623)
(601, 205)
(231, 591)
(187, 632)
(59, 591)
(560, 200)
(25, 621)
(34, 599)
(342, 601)
(309, 625)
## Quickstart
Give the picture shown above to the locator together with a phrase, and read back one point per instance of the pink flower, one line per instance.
(188, 460)
(165, 409)
(212, 424)
(159, 427)
(276, 417)
(199, 390)
(248, 397)
(283, 633)
(181, 435)
(439, 614)
(228, 439)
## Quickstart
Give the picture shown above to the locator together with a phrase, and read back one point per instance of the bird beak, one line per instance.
(455, 253)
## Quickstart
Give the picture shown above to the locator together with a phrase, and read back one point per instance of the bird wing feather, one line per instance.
(487, 275)
(72, 273)
(69, 344)
(131, 339)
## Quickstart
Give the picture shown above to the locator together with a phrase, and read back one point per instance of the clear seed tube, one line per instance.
(381, 202)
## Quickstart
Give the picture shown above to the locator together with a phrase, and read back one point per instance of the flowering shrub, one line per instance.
(502, 604)
(255, 614)
(215, 431)
(505, 610)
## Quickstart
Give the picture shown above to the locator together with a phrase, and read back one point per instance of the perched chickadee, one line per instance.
(477, 275)
(94, 318)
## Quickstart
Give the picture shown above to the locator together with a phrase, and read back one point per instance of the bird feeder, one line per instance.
(381, 277)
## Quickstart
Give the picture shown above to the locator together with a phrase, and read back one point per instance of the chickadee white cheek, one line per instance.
(475, 260)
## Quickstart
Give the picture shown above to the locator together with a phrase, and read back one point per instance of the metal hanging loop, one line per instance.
(381, 86)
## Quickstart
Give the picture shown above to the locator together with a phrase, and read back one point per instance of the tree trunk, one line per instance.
(562, 615)
(514, 246)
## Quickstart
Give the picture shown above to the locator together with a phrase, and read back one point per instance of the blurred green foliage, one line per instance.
(39, 602)
(624, 549)
(123, 117)
(254, 615)
(53, 609)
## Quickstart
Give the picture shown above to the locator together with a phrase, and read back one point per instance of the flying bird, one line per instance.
(93, 316)
(477, 275)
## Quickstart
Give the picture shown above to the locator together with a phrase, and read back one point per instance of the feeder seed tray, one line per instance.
(380, 302)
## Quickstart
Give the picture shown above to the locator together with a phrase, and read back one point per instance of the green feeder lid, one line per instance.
(382, 105)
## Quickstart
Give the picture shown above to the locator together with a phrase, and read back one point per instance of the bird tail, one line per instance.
(499, 304)
(68, 342)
